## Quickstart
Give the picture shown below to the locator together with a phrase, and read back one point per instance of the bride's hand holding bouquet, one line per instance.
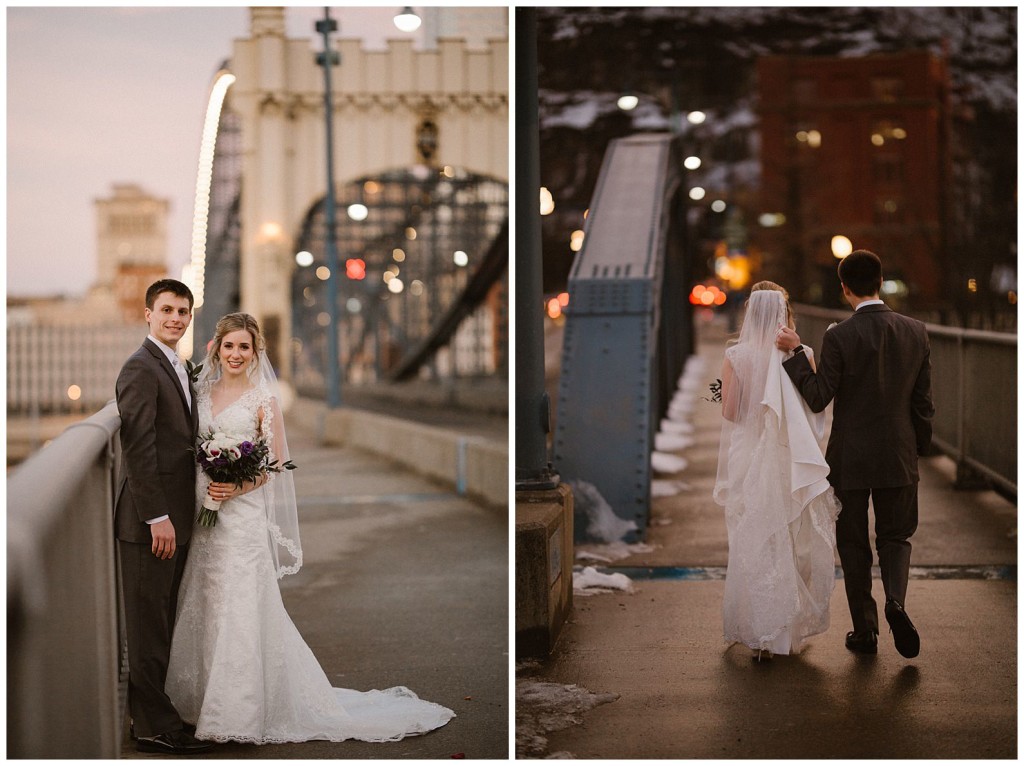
(233, 462)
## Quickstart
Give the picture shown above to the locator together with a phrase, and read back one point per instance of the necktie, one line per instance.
(183, 377)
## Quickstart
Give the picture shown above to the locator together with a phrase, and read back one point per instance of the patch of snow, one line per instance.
(606, 554)
(663, 462)
(676, 427)
(672, 442)
(601, 522)
(589, 581)
(544, 707)
(667, 488)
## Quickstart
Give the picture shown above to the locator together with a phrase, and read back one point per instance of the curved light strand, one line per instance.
(204, 180)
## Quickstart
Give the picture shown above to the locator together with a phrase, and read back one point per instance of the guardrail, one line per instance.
(974, 387)
(66, 669)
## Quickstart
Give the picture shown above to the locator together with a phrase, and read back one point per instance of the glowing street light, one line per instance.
(841, 246)
(407, 20)
(547, 202)
(691, 163)
(628, 102)
(304, 258)
(696, 118)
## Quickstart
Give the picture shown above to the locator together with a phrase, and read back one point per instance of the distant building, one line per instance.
(858, 147)
(131, 247)
(64, 354)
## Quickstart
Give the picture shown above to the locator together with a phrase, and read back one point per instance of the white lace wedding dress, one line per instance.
(780, 511)
(239, 670)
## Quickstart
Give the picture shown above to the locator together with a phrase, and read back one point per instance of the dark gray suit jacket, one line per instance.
(876, 366)
(158, 432)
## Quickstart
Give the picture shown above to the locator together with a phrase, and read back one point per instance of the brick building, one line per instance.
(858, 147)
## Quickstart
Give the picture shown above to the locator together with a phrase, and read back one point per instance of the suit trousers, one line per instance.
(149, 586)
(895, 521)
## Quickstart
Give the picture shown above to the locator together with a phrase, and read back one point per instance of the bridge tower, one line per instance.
(390, 106)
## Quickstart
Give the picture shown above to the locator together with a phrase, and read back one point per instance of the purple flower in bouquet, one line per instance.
(232, 460)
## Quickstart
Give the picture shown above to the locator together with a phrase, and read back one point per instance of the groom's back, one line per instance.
(882, 416)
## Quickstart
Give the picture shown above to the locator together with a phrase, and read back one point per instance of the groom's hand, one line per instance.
(786, 339)
(164, 542)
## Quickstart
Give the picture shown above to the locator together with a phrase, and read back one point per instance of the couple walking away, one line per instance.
(787, 506)
(209, 641)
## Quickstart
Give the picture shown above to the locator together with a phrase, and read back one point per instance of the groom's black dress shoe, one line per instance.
(908, 642)
(174, 743)
(865, 642)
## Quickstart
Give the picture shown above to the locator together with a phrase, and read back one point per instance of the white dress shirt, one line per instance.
(871, 302)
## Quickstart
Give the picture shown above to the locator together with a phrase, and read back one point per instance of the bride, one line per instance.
(239, 670)
(780, 511)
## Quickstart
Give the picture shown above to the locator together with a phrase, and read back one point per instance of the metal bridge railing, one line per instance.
(974, 387)
(66, 674)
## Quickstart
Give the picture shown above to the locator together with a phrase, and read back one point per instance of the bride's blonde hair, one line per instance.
(230, 323)
(767, 285)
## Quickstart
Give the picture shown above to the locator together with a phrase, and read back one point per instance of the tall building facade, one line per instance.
(858, 148)
(131, 247)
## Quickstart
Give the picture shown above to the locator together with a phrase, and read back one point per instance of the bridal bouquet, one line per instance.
(228, 459)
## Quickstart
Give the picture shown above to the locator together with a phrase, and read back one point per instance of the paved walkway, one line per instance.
(404, 583)
(682, 693)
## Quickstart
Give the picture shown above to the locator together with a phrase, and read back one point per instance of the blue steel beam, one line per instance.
(617, 354)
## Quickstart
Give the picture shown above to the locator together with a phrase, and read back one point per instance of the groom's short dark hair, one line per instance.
(168, 286)
(861, 272)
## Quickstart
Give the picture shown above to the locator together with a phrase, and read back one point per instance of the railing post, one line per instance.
(532, 406)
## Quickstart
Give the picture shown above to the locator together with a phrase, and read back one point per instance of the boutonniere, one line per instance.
(193, 370)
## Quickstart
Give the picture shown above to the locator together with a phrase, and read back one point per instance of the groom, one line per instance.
(154, 510)
(876, 366)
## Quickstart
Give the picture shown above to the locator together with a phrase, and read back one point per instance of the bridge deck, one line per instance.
(684, 693)
(404, 583)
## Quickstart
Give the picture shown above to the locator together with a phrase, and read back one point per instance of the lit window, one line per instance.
(808, 136)
(887, 132)
(887, 88)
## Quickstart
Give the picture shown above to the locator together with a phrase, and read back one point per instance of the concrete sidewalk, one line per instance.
(404, 583)
(682, 693)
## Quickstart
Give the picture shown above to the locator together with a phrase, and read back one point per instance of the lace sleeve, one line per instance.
(282, 516)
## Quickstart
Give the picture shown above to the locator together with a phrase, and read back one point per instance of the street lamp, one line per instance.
(628, 102)
(841, 246)
(327, 59)
(407, 20)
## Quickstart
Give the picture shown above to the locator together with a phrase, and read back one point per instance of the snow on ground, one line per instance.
(676, 427)
(676, 432)
(588, 582)
(672, 442)
(543, 707)
(602, 523)
(663, 462)
(609, 552)
(668, 487)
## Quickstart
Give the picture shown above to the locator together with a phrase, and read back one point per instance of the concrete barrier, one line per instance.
(472, 465)
(544, 558)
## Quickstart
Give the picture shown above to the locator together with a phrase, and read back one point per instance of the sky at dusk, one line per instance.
(97, 96)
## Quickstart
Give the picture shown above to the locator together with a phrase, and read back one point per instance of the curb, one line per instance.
(471, 465)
